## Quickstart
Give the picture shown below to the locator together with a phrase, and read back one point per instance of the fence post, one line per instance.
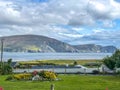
(53, 68)
(85, 71)
(52, 87)
(65, 70)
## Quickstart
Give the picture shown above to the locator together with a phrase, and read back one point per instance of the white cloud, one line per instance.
(50, 18)
(71, 35)
(99, 37)
(99, 9)
(97, 31)
(115, 11)
(77, 29)
(74, 12)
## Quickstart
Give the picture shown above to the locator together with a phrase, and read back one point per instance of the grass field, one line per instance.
(67, 82)
(82, 62)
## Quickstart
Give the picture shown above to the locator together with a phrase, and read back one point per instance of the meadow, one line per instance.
(67, 82)
(82, 62)
(61, 62)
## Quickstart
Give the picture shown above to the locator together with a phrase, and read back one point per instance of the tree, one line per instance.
(113, 61)
(7, 68)
(75, 63)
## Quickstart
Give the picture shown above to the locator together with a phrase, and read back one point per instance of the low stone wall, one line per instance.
(58, 70)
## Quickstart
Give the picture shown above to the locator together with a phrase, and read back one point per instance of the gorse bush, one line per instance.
(48, 75)
(22, 76)
(42, 75)
(19, 77)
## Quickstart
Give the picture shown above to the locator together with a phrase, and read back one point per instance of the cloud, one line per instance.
(81, 20)
(77, 29)
(100, 37)
(99, 9)
(103, 11)
(73, 21)
(74, 12)
(71, 35)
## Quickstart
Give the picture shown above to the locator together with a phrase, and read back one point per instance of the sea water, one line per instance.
(17, 56)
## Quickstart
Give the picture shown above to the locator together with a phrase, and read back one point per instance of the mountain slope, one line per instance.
(95, 48)
(35, 43)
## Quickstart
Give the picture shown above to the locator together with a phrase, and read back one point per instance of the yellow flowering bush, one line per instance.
(43, 75)
(49, 75)
(24, 76)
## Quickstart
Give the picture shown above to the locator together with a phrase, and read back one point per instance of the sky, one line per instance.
(71, 21)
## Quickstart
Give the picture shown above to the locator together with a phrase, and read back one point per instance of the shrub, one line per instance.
(44, 75)
(113, 61)
(95, 72)
(9, 78)
(49, 75)
(22, 76)
(93, 64)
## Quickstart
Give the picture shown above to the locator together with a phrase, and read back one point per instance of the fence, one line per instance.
(59, 70)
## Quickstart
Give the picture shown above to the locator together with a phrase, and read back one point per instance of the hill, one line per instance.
(95, 48)
(37, 43)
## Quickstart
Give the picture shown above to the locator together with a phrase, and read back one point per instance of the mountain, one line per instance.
(95, 48)
(37, 43)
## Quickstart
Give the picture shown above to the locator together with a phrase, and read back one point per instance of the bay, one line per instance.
(18, 56)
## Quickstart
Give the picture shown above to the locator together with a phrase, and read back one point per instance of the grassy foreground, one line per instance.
(68, 82)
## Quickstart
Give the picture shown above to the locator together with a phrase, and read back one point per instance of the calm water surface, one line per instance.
(16, 56)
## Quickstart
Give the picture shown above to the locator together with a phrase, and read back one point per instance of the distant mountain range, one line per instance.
(95, 48)
(37, 43)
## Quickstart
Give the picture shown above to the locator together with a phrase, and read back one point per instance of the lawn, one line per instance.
(67, 82)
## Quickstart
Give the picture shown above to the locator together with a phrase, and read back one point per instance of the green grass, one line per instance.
(68, 82)
(63, 62)
(82, 62)
(33, 48)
